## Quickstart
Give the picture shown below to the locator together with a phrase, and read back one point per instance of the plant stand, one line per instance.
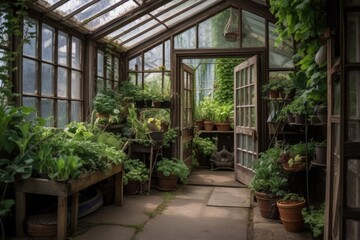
(63, 190)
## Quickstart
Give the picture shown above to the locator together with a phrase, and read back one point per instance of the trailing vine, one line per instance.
(304, 21)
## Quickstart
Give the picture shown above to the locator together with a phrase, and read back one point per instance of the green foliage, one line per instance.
(64, 168)
(223, 112)
(292, 197)
(140, 128)
(315, 218)
(170, 137)
(207, 108)
(269, 177)
(173, 166)
(106, 101)
(224, 92)
(304, 22)
(206, 146)
(302, 149)
(135, 170)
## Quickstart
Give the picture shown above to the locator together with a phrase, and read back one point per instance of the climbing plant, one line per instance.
(304, 21)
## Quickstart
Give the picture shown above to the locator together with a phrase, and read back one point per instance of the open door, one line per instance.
(246, 122)
(186, 113)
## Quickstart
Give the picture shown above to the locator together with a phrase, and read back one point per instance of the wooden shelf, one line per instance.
(215, 131)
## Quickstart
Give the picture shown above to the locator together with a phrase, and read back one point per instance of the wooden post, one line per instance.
(20, 213)
(74, 212)
(62, 218)
(119, 189)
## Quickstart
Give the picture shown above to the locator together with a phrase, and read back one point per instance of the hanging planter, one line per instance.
(320, 57)
(231, 31)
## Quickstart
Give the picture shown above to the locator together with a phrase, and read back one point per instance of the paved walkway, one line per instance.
(184, 214)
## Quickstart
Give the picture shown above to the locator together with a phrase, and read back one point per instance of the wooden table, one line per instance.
(63, 190)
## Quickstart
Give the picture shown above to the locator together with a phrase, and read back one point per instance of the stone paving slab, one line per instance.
(193, 220)
(206, 177)
(193, 192)
(230, 197)
(107, 232)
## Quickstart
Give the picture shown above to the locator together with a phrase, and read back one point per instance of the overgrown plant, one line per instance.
(173, 166)
(315, 217)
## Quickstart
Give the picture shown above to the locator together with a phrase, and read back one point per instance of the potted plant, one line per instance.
(298, 155)
(320, 153)
(203, 148)
(315, 218)
(290, 207)
(135, 175)
(222, 114)
(321, 112)
(199, 117)
(169, 171)
(274, 85)
(268, 182)
(105, 102)
(207, 106)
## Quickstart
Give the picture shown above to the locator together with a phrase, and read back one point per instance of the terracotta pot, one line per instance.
(102, 115)
(273, 94)
(290, 215)
(156, 104)
(300, 118)
(267, 205)
(320, 155)
(199, 124)
(133, 187)
(167, 183)
(295, 167)
(222, 126)
(209, 126)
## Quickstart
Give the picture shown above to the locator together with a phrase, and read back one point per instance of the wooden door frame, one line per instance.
(176, 59)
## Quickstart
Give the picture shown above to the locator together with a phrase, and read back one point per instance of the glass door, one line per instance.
(246, 144)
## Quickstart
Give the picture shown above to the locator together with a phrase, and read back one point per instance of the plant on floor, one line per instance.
(315, 217)
(135, 170)
(173, 166)
(290, 207)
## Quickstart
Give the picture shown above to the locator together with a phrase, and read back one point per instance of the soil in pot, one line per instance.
(267, 205)
(290, 215)
(167, 183)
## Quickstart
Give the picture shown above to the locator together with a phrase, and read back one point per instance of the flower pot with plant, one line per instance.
(203, 149)
(315, 218)
(222, 114)
(105, 102)
(320, 153)
(136, 174)
(273, 87)
(169, 171)
(207, 106)
(290, 207)
(268, 182)
(298, 155)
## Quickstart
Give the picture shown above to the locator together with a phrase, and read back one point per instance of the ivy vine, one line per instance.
(304, 21)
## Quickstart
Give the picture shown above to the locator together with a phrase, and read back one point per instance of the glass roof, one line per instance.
(94, 16)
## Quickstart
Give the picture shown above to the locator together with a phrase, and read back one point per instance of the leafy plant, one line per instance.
(173, 166)
(65, 167)
(170, 137)
(205, 146)
(315, 218)
(292, 197)
(135, 170)
(207, 108)
(222, 112)
(269, 177)
(140, 128)
(106, 101)
(302, 149)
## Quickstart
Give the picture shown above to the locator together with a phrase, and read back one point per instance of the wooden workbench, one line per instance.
(63, 190)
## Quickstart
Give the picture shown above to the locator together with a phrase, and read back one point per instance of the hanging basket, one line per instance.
(231, 30)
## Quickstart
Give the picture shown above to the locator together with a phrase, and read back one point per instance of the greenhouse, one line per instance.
(214, 117)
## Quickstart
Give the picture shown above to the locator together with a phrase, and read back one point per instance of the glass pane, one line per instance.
(253, 30)
(76, 111)
(62, 85)
(62, 114)
(75, 84)
(252, 93)
(135, 64)
(186, 39)
(100, 63)
(63, 48)
(76, 53)
(4, 16)
(167, 55)
(353, 37)
(70, 6)
(29, 76)
(110, 15)
(47, 79)
(47, 43)
(352, 231)
(143, 37)
(3, 63)
(252, 118)
(30, 102)
(137, 30)
(152, 82)
(154, 58)
(47, 110)
(336, 94)
(116, 69)
(109, 67)
(353, 106)
(30, 48)
(353, 183)
(211, 31)
(280, 54)
(48, 3)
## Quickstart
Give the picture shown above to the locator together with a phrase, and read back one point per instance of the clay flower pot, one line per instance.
(167, 183)
(290, 215)
(267, 205)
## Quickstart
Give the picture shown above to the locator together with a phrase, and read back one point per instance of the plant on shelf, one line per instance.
(222, 114)
(139, 128)
(290, 207)
(274, 86)
(298, 154)
(170, 137)
(315, 218)
(129, 91)
(203, 148)
(207, 106)
(320, 153)
(169, 171)
(135, 174)
(105, 102)
(268, 182)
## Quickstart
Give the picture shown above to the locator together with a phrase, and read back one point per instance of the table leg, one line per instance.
(20, 199)
(74, 212)
(119, 192)
(62, 218)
